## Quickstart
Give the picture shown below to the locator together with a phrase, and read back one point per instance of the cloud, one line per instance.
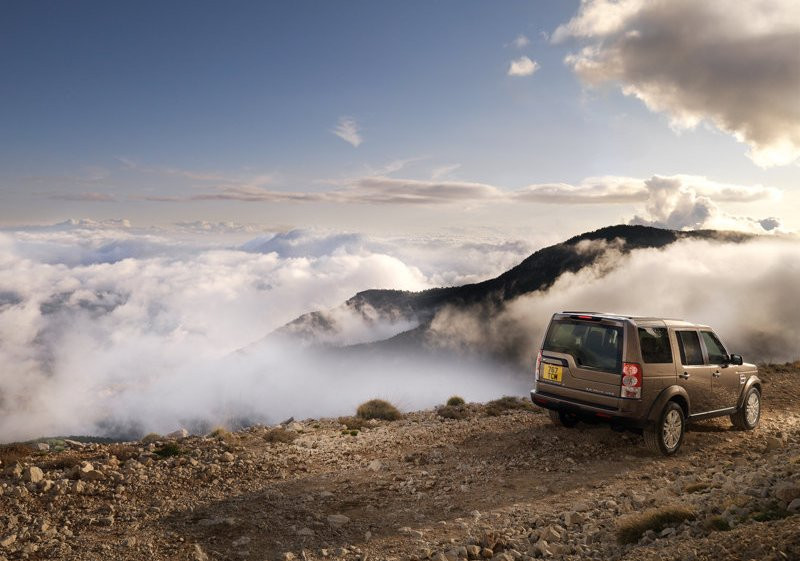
(84, 197)
(349, 131)
(522, 66)
(520, 42)
(388, 190)
(443, 171)
(115, 331)
(737, 68)
(601, 190)
(677, 202)
(682, 280)
(131, 164)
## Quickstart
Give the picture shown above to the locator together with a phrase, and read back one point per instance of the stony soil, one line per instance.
(506, 487)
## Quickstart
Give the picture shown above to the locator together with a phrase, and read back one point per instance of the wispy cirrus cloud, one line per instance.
(348, 130)
(677, 201)
(738, 69)
(520, 42)
(522, 66)
(84, 197)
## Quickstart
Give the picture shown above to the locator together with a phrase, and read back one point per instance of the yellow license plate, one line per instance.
(551, 373)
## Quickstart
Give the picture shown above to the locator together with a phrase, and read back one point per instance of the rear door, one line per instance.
(694, 374)
(583, 355)
(725, 381)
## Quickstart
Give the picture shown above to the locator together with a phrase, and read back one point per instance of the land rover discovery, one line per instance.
(648, 374)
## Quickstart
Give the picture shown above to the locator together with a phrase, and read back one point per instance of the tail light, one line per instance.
(631, 381)
(538, 365)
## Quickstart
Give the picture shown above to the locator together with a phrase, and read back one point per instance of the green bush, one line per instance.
(378, 409)
(631, 528)
(455, 401)
(169, 450)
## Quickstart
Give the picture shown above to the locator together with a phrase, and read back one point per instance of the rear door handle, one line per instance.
(685, 376)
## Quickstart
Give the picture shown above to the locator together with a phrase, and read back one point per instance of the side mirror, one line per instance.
(736, 359)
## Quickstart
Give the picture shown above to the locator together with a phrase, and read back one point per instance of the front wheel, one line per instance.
(562, 418)
(748, 415)
(666, 435)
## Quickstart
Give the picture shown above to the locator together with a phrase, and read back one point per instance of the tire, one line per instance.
(748, 415)
(666, 435)
(563, 419)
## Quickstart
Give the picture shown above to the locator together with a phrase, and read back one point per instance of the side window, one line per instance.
(655, 344)
(716, 352)
(689, 345)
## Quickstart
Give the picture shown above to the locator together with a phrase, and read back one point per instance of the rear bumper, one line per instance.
(628, 413)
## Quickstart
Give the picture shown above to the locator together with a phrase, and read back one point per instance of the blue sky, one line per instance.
(108, 106)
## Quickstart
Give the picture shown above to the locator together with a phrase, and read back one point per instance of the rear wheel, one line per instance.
(747, 417)
(563, 419)
(666, 435)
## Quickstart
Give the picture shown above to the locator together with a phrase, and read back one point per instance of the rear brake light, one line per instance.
(631, 386)
(538, 365)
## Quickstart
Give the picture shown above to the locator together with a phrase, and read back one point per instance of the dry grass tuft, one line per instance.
(353, 423)
(631, 528)
(453, 412)
(378, 409)
(717, 524)
(123, 452)
(222, 434)
(12, 453)
(280, 434)
(455, 401)
(695, 487)
(151, 438)
(507, 403)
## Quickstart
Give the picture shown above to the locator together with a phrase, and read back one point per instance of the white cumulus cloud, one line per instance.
(522, 66)
(736, 66)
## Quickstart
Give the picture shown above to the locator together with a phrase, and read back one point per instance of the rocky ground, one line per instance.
(507, 487)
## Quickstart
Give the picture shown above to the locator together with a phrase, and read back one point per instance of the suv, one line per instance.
(646, 374)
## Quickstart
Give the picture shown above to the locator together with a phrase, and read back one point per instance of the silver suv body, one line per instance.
(643, 373)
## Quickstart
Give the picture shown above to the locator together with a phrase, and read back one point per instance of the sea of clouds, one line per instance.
(111, 330)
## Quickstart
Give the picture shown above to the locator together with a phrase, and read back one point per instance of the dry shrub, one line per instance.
(11, 453)
(280, 434)
(455, 401)
(507, 403)
(60, 462)
(151, 438)
(378, 409)
(717, 524)
(631, 528)
(696, 487)
(222, 434)
(353, 423)
(123, 452)
(453, 412)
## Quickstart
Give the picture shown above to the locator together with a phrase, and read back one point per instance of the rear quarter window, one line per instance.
(591, 345)
(654, 342)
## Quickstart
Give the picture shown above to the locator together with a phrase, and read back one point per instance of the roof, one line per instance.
(668, 322)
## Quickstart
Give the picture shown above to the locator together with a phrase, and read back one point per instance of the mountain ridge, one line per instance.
(536, 272)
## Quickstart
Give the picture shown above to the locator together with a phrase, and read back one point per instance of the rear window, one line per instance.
(689, 345)
(591, 345)
(654, 342)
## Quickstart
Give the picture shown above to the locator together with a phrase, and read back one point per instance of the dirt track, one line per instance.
(416, 488)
